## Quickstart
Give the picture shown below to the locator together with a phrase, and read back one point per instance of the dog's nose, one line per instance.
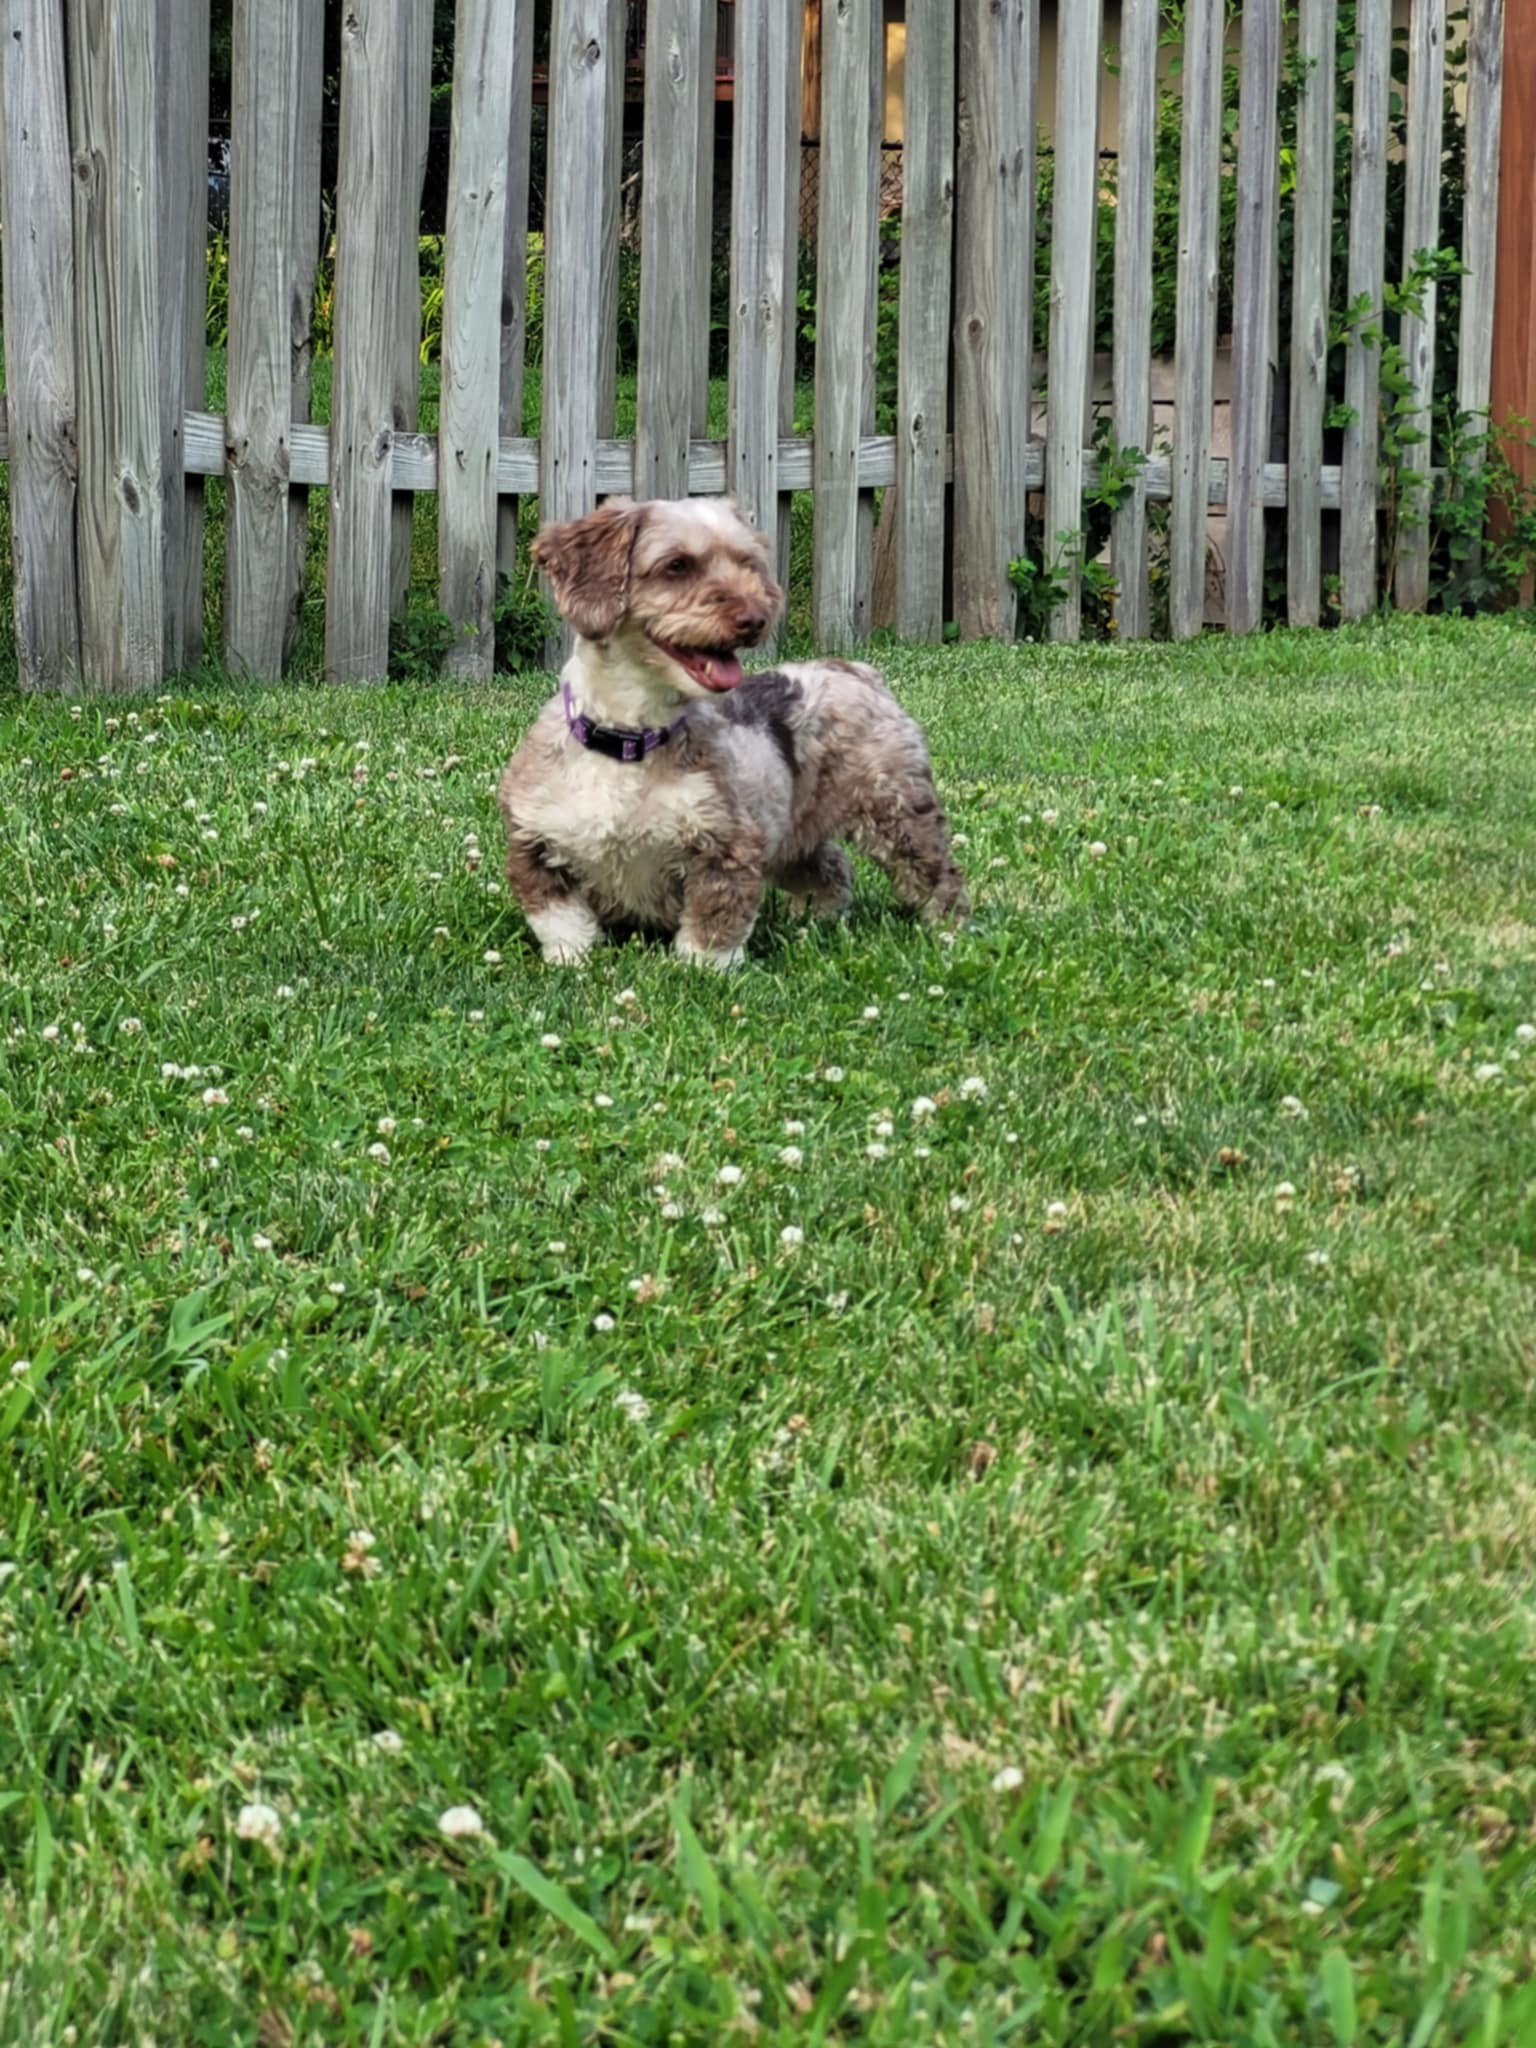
(750, 621)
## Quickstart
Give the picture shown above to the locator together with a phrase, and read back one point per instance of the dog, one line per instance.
(662, 790)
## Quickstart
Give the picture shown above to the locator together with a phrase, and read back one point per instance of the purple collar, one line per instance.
(617, 742)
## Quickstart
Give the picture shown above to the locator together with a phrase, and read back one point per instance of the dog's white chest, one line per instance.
(625, 830)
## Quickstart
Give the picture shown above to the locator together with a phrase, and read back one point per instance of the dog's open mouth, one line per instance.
(712, 668)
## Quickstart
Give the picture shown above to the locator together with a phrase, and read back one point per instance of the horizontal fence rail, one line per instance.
(995, 447)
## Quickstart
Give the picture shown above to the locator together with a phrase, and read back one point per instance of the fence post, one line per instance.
(1199, 231)
(183, 58)
(1310, 322)
(40, 344)
(1359, 593)
(764, 256)
(1254, 308)
(998, 60)
(514, 286)
(471, 388)
(927, 251)
(1139, 23)
(670, 227)
(412, 143)
(577, 210)
(1485, 91)
(846, 255)
(360, 584)
(268, 98)
(130, 356)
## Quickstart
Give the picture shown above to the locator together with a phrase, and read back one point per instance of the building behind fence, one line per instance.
(989, 445)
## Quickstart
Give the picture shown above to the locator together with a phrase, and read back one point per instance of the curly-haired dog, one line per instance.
(661, 789)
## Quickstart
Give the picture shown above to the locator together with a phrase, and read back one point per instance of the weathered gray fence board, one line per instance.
(998, 71)
(269, 98)
(413, 142)
(1358, 590)
(472, 288)
(370, 233)
(514, 290)
(852, 46)
(1140, 22)
(1421, 230)
(922, 400)
(120, 151)
(669, 236)
(1311, 283)
(1074, 232)
(1199, 225)
(763, 255)
(577, 205)
(40, 344)
(1484, 121)
(1255, 284)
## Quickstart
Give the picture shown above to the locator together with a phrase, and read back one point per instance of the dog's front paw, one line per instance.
(566, 933)
(719, 959)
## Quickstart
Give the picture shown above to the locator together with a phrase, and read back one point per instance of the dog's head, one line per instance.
(679, 584)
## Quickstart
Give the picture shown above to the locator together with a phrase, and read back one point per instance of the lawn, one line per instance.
(926, 1493)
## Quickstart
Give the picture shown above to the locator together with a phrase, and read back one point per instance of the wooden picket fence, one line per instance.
(109, 440)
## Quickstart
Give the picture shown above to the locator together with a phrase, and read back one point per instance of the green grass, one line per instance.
(980, 1622)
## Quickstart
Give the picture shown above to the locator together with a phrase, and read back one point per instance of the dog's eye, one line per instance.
(680, 565)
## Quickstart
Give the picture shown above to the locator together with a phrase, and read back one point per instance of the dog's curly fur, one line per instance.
(761, 780)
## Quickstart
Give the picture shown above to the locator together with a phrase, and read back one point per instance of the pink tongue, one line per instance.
(713, 671)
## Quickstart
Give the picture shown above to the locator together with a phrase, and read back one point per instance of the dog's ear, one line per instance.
(587, 562)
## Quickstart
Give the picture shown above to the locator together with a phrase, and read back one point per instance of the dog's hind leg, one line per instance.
(906, 833)
(821, 885)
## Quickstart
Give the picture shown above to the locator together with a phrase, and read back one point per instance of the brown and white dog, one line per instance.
(661, 789)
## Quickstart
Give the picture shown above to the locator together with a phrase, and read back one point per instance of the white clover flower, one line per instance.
(603, 1323)
(973, 1089)
(1490, 1070)
(1319, 1258)
(1097, 848)
(925, 1106)
(476, 1016)
(1049, 817)
(550, 1041)
(557, 1247)
(1293, 1106)
(602, 1102)
(261, 1243)
(728, 1176)
(672, 1212)
(1526, 1033)
(1285, 1193)
(958, 1204)
(50, 1032)
(491, 957)
(793, 1128)
(380, 1152)
(259, 1823)
(833, 1074)
(284, 993)
(632, 1406)
(876, 1150)
(871, 1012)
(1056, 1210)
(460, 1824)
(1008, 1779)
(885, 1128)
(791, 1237)
(791, 1156)
(543, 1144)
(935, 988)
(625, 998)
(20, 1368)
(922, 1151)
(215, 1098)
(130, 1027)
(711, 1217)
